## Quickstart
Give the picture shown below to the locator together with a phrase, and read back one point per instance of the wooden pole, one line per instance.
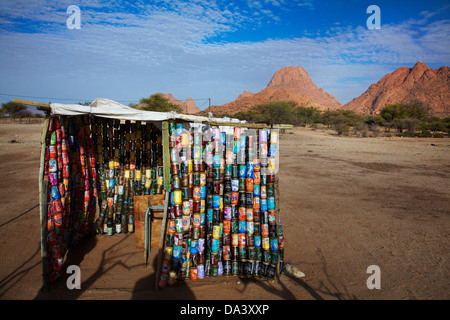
(162, 240)
(43, 186)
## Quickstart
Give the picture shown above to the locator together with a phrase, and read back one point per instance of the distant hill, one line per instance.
(287, 84)
(188, 106)
(420, 84)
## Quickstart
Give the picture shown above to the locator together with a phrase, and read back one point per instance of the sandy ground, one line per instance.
(346, 203)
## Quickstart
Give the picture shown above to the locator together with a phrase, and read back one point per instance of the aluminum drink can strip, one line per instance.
(234, 239)
(273, 244)
(178, 210)
(202, 192)
(234, 253)
(242, 240)
(226, 239)
(242, 226)
(257, 227)
(186, 207)
(256, 216)
(242, 252)
(250, 227)
(234, 198)
(193, 247)
(177, 198)
(234, 226)
(193, 274)
(196, 206)
(272, 216)
(270, 203)
(201, 271)
(227, 213)
(249, 199)
(227, 268)
(242, 216)
(242, 171)
(263, 204)
(216, 202)
(250, 240)
(195, 233)
(249, 214)
(201, 245)
(274, 257)
(226, 252)
(200, 258)
(256, 190)
(249, 184)
(264, 229)
(272, 230)
(257, 240)
(216, 231)
(226, 226)
(265, 243)
(214, 258)
(178, 239)
(177, 252)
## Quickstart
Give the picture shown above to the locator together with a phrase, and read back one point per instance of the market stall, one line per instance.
(214, 178)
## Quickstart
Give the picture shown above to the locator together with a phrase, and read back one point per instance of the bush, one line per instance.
(341, 128)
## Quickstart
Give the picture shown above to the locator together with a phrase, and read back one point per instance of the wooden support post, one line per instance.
(166, 155)
(162, 241)
(43, 186)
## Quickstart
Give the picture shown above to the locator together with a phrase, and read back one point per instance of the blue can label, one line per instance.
(234, 185)
(54, 191)
(263, 202)
(273, 244)
(249, 170)
(242, 226)
(194, 247)
(242, 170)
(216, 202)
(215, 245)
(272, 151)
(256, 190)
(257, 238)
(209, 214)
(177, 252)
(202, 192)
(270, 203)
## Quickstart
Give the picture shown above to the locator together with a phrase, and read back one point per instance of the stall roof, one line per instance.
(111, 109)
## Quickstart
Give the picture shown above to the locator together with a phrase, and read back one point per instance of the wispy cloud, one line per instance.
(124, 52)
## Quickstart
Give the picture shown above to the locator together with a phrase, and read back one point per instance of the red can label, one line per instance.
(242, 214)
(242, 239)
(249, 184)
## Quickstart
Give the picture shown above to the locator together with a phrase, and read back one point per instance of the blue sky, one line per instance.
(126, 50)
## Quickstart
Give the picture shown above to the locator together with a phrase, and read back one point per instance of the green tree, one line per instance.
(275, 112)
(394, 114)
(13, 109)
(309, 115)
(157, 102)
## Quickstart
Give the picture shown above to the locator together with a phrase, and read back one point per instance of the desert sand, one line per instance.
(346, 203)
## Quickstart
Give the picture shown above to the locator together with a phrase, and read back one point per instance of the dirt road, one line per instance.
(346, 204)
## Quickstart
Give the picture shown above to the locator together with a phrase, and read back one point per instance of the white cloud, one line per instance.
(164, 47)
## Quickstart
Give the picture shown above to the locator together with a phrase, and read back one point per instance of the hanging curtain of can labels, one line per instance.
(69, 169)
(222, 218)
(129, 164)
